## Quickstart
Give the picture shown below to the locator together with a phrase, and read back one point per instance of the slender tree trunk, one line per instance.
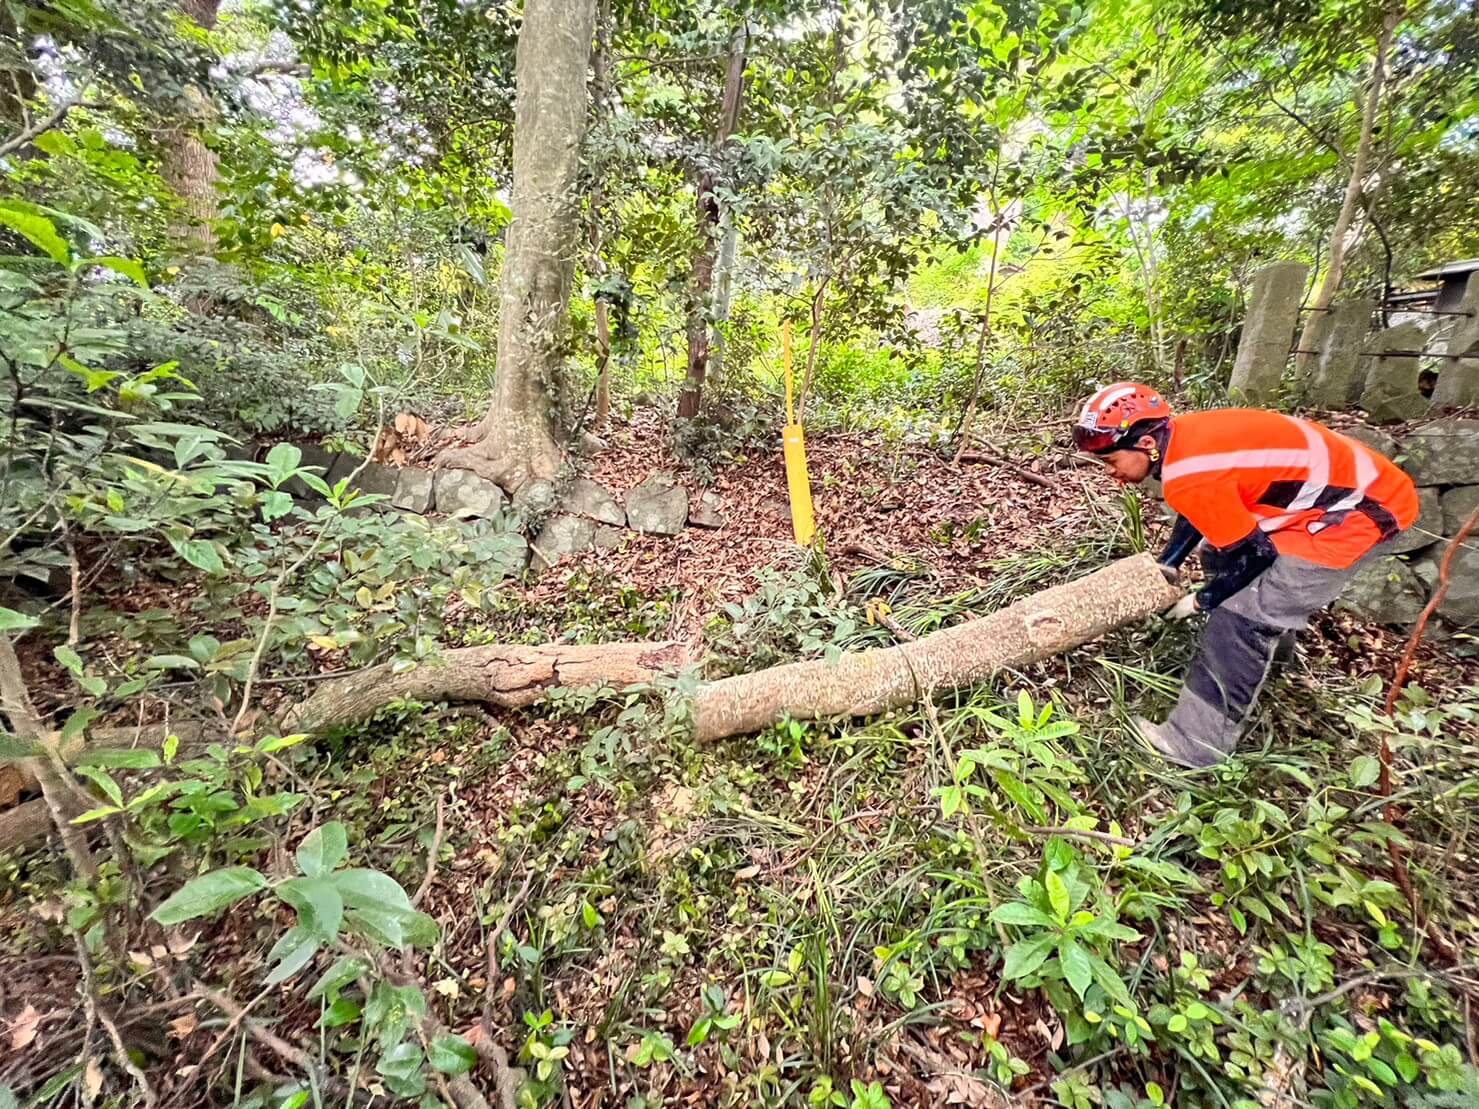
(187, 165)
(968, 420)
(517, 442)
(707, 208)
(599, 70)
(1317, 322)
(723, 284)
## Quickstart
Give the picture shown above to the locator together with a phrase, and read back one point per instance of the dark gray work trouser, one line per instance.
(1237, 650)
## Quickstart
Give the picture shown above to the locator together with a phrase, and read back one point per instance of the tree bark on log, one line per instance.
(869, 682)
(507, 676)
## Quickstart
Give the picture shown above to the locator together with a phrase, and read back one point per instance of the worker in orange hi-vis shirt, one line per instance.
(1285, 511)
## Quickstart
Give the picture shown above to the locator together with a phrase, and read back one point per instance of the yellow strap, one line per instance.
(786, 361)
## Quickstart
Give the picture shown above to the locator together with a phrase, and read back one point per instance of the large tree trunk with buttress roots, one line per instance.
(858, 684)
(517, 442)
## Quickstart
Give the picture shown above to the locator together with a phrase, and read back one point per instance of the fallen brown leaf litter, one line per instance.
(873, 498)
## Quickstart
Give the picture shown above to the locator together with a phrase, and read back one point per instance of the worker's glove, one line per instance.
(1184, 608)
(1172, 574)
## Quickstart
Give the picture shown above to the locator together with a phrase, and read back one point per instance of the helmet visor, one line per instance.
(1095, 440)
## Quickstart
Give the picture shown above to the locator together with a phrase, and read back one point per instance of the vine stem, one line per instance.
(1390, 812)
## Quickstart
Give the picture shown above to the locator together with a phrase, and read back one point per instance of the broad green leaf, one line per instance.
(119, 758)
(17, 747)
(77, 723)
(401, 1061)
(96, 814)
(369, 889)
(451, 1054)
(1057, 894)
(1019, 912)
(280, 742)
(282, 462)
(13, 621)
(124, 266)
(170, 662)
(292, 953)
(35, 228)
(69, 658)
(209, 893)
(325, 848)
(320, 908)
(341, 1012)
(200, 553)
(1074, 960)
(1026, 956)
(103, 781)
(343, 972)
(275, 504)
(1365, 770)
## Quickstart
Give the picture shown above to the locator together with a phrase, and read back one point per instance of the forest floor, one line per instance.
(750, 921)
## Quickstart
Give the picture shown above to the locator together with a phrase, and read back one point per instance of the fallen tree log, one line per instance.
(869, 682)
(504, 675)
(858, 684)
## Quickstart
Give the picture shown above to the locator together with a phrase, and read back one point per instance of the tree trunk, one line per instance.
(723, 289)
(517, 441)
(187, 165)
(701, 285)
(599, 68)
(858, 684)
(1318, 322)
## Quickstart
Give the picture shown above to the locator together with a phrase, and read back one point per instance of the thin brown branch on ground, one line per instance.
(96, 1011)
(994, 459)
(488, 1047)
(287, 1052)
(431, 854)
(1080, 833)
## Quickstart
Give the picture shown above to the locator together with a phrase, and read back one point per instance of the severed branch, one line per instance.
(39, 127)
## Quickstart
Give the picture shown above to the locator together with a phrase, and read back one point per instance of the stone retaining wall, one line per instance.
(1442, 457)
(567, 519)
(1422, 367)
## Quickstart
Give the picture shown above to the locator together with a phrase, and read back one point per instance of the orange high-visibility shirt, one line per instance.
(1319, 496)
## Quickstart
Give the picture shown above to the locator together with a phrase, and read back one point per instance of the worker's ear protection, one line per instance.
(1153, 450)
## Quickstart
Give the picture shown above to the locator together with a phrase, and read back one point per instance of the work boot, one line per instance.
(1165, 742)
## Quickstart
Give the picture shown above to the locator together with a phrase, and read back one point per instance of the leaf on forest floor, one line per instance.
(25, 1028)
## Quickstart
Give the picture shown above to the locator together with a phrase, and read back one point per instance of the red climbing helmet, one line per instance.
(1117, 415)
